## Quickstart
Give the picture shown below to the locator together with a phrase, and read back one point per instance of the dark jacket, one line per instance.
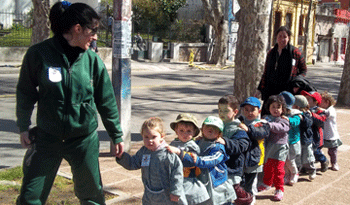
(306, 134)
(318, 118)
(257, 133)
(289, 64)
(236, 147)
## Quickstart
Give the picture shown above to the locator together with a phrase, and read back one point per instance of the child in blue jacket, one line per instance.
(211, 162)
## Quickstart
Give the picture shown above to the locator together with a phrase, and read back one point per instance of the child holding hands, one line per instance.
(306, 136)
(162, 173)
(257, 132)
(186, 128)
(211, 162)
(276, 146)
(331, 136)
(237, 143)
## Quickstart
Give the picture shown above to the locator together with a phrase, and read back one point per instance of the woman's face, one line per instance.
(282, 39)
(85, 35)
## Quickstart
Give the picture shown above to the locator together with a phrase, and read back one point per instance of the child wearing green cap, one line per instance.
(211, 162)
(186, 128)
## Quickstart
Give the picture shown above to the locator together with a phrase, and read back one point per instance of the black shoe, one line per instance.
(324, 166)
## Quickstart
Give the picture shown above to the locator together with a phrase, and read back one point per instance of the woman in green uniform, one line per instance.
(70, 84)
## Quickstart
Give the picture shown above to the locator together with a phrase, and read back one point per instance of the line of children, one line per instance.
(231, 152)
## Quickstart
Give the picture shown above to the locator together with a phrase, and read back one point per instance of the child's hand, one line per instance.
(285, 117)
(174, 198)
(243, 127)
(173, 149)
(221, 140)
(320, 109)
(301, 117)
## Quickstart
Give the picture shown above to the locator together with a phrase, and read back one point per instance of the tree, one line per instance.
(344, 90)
(215, 17)
(252, 39)
(158, 14)
(41, 25)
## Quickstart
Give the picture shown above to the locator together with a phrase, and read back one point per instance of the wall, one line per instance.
(296, 9)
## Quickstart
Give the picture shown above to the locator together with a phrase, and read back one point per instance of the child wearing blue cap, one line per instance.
(257, 132)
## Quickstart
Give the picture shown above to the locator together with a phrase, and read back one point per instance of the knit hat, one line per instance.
(214, 121)
(289, 98)
(186, 117)
(252, 101)
(315, 95)
(301, 101)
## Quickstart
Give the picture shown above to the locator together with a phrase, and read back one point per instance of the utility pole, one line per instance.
(121, 65)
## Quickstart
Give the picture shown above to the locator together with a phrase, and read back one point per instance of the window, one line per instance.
(289, 21)
(301, 25)
(343, 46)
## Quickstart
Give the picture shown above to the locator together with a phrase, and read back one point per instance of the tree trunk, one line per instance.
(307, 30)
(252, 40)
(344, 90)
(216, 18)
(41, 25)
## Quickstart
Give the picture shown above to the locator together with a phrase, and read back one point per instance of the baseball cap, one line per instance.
(252, 101)
(289, 98)
(214, 121)
(315, 95)
(301, 101)
(186, 117)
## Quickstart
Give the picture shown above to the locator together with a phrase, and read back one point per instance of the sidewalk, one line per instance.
(328, 188)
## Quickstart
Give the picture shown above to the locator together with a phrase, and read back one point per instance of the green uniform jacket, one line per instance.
(68, 96)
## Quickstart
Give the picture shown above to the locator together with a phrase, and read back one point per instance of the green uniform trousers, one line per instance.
(43, 159)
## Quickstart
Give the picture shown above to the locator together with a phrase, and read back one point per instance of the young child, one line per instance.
(236, 142)
(257, 133)
(211, 162)
(331, 136)
(186, 129)
(162, 173)
(314, 99)
(306, 136)
(276, 146)
(294, 117)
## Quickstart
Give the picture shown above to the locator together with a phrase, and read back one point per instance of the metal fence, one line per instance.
(16, 30)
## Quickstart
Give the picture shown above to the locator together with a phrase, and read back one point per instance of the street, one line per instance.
(164, 93)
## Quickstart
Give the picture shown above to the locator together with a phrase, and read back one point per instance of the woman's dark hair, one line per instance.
(278, 99)
(229, 100)
(63, 17)
(283, 28)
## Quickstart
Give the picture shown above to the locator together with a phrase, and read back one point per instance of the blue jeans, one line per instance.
(319, 156)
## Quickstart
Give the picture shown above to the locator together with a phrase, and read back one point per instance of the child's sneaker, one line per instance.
(294, 179)
(263, 187)
(278, 195)
(335, 167)
(324, 166)
(312, 175)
